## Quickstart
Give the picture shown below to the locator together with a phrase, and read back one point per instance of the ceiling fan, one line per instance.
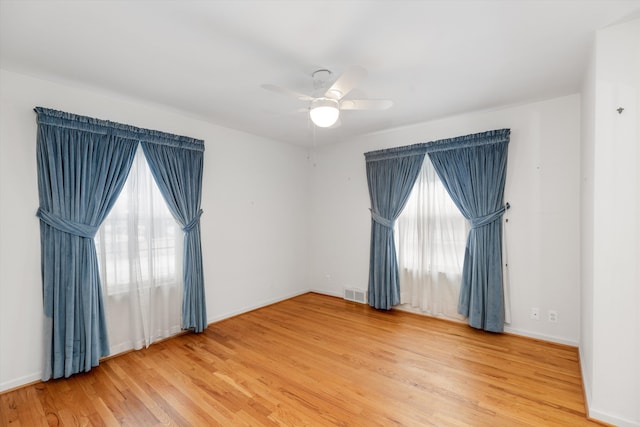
(324, 109)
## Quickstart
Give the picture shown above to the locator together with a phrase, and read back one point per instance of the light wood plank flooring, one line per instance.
(316, 360)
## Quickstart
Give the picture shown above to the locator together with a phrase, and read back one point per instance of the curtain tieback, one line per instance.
(67, 226)
(487, 219)
(194, 221)
(382, 220)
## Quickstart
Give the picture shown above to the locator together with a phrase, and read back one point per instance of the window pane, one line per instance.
(139, 243)
(431, 237)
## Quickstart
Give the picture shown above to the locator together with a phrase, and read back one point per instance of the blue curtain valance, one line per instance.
(467, 141)
(396, 152)
(63, 119)
(472, 140)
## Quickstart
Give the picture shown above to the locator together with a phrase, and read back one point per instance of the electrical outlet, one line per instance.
(535, 313)
(552, 316)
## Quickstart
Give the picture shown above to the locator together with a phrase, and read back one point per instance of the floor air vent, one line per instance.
(355, 295)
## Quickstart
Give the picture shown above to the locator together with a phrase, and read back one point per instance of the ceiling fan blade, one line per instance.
(286, 92)
(346, 82)
(365, 104)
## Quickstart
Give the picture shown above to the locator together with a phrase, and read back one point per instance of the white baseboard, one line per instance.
(543, 337)
(256, 306)
(586, 386)
(20, 382)
(610, 419)
(324, 292)
(594, 413)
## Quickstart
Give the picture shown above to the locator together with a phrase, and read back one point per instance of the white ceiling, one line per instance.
(209, 58)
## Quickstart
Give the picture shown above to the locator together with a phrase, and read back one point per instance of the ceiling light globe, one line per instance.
(324, 112)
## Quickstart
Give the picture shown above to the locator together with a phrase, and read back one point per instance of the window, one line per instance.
(431, 237)
(139, 248)
(139, 240)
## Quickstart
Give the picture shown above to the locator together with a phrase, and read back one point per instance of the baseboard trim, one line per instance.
(256, 306)
(595, 414)
(21, 382)
(610, 420)
(324, 292)
(543, 337)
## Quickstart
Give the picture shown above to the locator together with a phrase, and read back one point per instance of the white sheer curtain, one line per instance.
(139, 249)
(430, 240)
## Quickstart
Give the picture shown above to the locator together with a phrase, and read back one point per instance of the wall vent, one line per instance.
(355, 295)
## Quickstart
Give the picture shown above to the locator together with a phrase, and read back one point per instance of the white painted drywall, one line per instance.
(254, 227)
(610, 348)
(587, 160)
(542, 187)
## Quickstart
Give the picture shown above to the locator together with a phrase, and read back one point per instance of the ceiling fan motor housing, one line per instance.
(320, 79)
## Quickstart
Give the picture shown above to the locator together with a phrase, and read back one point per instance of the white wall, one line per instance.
(542, 187)
(610, 348)
(586, 226)
(254, 229)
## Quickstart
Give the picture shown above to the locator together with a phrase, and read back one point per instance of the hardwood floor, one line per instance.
(316, 360)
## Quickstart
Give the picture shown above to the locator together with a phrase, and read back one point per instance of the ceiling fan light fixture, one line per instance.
(324, 112)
